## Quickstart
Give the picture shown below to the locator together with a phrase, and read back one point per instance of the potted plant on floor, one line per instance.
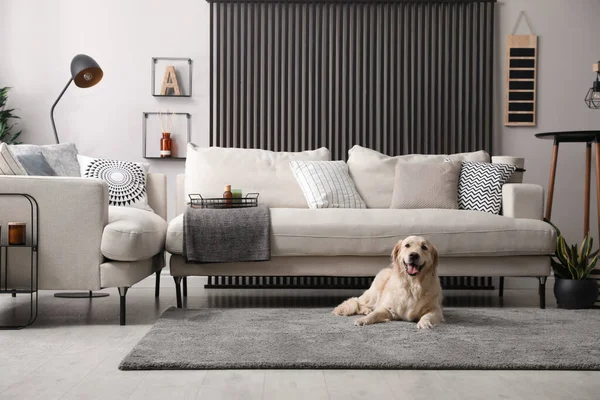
(572, 266)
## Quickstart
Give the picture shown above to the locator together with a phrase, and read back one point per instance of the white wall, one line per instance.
(39, 38)
(568, 33)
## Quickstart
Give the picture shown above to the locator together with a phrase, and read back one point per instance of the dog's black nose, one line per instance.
(413, 256)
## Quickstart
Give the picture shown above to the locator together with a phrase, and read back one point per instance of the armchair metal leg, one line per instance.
(177, 280)
(185, 286)
(501, 287)
(542, 291)
(157, 284)
(122, 294)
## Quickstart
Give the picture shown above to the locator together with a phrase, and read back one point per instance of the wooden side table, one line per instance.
(587, 137)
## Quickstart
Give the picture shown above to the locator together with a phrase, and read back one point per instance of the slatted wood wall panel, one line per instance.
(399, 76)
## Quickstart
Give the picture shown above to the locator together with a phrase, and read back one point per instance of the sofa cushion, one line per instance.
(174, 240)
(425, 185)
(373, 172)
(207, 170)
(36, 165)
(326, 184)
(61, 157)
(9, 164)
(132, 234)
(480, 185)
(126, 180)
(363, 232)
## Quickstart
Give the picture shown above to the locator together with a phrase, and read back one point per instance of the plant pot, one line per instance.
(575, 294)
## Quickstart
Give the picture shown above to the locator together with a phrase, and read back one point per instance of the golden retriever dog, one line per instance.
(408, 290)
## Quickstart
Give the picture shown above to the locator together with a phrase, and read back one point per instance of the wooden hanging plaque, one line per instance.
(521, 80)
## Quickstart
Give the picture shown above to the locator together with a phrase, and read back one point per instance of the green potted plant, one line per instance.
(572, 266)
(5, 116)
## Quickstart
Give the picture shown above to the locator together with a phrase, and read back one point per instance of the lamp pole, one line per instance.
(54, 105)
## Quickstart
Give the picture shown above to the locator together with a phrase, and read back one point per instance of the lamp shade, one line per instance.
(592, 99)
(85, 71)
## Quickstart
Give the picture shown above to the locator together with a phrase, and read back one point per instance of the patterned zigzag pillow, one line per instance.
(480, 185)
(126, 180)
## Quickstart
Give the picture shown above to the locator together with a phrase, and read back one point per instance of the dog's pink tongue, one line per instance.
(412, 269)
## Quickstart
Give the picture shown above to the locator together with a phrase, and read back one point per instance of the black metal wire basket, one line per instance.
(197, 201)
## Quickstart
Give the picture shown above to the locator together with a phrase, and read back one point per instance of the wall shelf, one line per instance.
(180, 135)
(181, 65)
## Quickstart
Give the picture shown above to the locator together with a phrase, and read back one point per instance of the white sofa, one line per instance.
(85, 244)
(358, 242)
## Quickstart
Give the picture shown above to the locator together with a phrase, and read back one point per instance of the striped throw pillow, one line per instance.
(326, 184)
(9, 165)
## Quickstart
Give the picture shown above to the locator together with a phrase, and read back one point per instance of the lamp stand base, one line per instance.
(81, 295)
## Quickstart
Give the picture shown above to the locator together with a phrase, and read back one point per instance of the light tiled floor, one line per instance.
(73, 350)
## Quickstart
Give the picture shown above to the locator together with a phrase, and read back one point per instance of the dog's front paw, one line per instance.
(361, 321)
(424, 324)
(340, 310)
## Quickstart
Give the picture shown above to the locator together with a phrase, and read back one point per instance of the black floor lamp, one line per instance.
(85, 72)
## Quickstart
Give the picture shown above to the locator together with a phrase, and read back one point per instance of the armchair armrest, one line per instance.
(156, 187)
(522, 200)
(72, 215)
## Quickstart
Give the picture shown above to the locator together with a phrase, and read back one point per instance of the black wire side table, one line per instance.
(31, 243)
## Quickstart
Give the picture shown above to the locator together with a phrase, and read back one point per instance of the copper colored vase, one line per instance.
(165, 145)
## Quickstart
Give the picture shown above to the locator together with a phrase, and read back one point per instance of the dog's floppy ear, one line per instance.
(434, 257)
(396, 252)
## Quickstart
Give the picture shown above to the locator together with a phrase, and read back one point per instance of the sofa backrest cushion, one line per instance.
(209, 169)
(373, 172)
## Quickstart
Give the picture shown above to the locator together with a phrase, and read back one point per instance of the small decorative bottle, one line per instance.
(165, 145)
(228, 196)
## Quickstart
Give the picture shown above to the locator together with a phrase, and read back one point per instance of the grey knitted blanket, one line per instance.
(226, 235)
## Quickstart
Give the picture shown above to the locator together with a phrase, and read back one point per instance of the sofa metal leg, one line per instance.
(122, 294)
(177, 280)
(542, 291)
(501, 287)
(185, 286)
(157, 284)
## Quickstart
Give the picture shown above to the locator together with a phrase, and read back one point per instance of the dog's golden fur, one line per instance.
(397, 295)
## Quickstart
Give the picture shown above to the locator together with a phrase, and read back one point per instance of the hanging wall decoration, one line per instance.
(172, 81)
(521, 77)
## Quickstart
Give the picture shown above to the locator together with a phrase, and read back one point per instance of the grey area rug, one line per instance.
(295, 338)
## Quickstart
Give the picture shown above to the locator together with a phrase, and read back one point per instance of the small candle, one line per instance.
(237, 194)
(16, 233)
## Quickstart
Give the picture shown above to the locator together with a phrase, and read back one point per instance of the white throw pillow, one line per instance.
(373, 172)
(209, 169)
(326, 184)
(126, 180)
(9, 165)
(480, 185)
